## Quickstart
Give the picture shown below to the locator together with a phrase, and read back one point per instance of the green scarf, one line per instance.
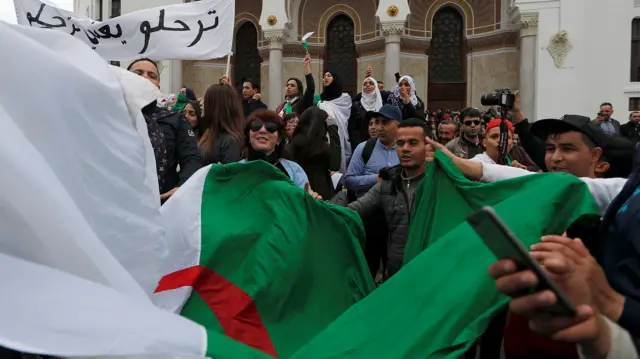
(181, 102)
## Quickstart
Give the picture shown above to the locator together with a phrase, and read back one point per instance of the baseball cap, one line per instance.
(496, 123)
(543, 128)
(620, 153)
(389, 111)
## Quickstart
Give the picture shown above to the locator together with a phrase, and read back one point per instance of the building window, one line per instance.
(634, 104)
(115, 8)
(446, 60)
(635, 50)
(341, 52)
(247, 57)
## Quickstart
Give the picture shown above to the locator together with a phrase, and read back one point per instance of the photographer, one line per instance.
(605, 122)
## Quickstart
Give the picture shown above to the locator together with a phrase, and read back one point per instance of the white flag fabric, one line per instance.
(199, 30)
(82, 245)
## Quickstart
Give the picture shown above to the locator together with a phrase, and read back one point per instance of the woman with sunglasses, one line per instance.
(264, 138)
(404, 97)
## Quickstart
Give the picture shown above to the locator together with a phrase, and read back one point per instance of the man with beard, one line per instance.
(468, 144)
(447, 131)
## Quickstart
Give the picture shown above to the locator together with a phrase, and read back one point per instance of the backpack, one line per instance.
(368, 149)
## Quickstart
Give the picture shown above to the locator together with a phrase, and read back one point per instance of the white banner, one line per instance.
(199, 30)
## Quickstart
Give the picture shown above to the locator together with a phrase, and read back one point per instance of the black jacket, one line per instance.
(180, 144)
(249, 106)
(631, 131)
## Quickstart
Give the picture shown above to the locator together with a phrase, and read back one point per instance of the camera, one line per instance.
(503, 98)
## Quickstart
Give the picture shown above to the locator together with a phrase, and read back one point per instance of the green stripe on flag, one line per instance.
(443, 299)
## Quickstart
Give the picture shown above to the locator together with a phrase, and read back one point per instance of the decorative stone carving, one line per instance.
(370, 48)
(393, 29)
(414, 45)
(393, 10)
(491, 42)
(272, 20)
(559, 47)
(529, 21)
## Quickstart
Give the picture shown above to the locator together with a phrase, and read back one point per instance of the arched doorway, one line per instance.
(247, 57)
(340, 52)
(447, 61)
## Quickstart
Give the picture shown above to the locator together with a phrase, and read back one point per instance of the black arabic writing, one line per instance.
(203, 29)
(45, 25)
(103, 32)
(147, 30)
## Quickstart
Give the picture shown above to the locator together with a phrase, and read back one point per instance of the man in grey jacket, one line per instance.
(395, 191)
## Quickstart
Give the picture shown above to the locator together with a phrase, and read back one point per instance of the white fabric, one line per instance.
(622, 346)
(44, 310)
(603, 190)
(182, 218)
(82, 245)
(412, 93)
(371, 101)
(335, 179)
(187, 32)
(482, 158)
(340, 110)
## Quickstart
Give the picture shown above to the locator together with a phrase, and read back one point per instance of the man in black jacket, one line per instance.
(172, 139)
(251, 98)
(631, 129)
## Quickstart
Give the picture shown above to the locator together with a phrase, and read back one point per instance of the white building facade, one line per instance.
(566, 56)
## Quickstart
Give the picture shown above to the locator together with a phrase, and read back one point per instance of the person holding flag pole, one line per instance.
(296, 98)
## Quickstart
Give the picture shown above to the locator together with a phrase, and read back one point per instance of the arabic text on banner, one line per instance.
(199, 30)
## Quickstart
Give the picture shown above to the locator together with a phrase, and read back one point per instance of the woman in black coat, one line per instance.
(315, 146)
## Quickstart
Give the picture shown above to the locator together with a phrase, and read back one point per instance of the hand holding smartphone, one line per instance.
(504, 245)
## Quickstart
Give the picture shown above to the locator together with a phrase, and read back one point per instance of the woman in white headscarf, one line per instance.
(364, 104)
(404, 96)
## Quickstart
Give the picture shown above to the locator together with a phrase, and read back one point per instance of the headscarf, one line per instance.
(181, 102)
(371, 101)
(334, 90)
(397, 99)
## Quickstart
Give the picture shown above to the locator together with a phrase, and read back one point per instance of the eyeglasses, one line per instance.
(269, 126)
(472, 123)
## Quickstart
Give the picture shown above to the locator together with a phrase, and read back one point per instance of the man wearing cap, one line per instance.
(362, 174)
(491, 144)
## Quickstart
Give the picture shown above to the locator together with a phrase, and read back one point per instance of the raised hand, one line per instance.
(307, 64)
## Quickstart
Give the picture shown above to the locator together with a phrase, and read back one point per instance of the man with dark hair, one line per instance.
(251, 98)
(447, 131)
(467, 144)
(380, 86)
(631, 129)
(395, 191)
(604, 120)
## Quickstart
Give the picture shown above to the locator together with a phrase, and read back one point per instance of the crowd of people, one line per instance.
(368, 152)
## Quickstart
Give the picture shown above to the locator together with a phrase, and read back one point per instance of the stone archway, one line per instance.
(247, 58)
(340, 53)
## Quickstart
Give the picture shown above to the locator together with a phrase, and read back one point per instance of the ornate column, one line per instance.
(528, 63)
(276, 91)
(273, 21)
(392, 15)
(392, 33)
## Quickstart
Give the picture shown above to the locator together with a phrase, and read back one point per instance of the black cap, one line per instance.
(620, 153)
(543, 128)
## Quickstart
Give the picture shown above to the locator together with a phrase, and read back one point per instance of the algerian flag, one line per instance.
(305, 44)
(262, 261)
(443, 299)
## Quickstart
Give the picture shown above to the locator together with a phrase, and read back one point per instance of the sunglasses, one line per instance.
(269, 126)
(470, 123)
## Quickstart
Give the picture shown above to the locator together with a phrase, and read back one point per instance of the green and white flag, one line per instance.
(260, 260)
(306, 37)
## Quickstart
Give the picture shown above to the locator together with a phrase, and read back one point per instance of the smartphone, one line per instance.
(504, 245)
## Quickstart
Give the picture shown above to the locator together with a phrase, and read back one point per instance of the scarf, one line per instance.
(371, 101)
(396, 99)
(273, 159)
(288, 108)
(181, 102)
(334, 90)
